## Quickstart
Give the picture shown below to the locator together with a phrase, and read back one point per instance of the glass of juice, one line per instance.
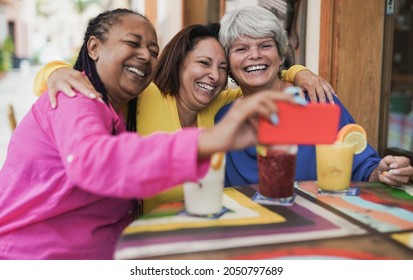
(334, 166)
(276, 171)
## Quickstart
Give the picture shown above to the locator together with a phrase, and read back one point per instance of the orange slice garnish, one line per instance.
(216, 160)
(353, 134)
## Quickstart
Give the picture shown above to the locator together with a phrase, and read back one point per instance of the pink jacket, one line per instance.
(67, 183)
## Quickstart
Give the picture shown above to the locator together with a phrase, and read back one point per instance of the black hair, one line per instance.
(99, 27)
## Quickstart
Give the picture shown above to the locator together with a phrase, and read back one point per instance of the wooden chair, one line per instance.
(12, 117)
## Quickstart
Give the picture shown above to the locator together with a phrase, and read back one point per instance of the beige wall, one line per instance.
(169, 20)
(312, 45)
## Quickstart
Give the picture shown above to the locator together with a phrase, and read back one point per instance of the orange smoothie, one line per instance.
(334, 166)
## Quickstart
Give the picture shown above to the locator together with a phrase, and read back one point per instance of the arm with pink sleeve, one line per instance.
(125, 165)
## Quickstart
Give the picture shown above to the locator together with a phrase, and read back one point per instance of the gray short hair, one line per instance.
(253, 21)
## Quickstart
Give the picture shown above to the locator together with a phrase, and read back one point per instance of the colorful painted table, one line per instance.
(376, 224)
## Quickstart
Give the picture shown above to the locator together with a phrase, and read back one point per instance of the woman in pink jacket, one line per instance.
(73, 175)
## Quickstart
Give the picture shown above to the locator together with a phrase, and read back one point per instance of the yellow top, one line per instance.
(289, 75)
(157, 112)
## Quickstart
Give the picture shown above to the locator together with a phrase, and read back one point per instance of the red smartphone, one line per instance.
(315, 123)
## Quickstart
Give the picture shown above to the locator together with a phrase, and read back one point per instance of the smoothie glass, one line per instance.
(276, 171)
(334, 166)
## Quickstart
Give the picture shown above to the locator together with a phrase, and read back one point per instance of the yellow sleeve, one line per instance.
(40, 81)
(156, 112)
(289, 75)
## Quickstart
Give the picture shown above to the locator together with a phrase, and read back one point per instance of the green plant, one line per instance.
(6, 51)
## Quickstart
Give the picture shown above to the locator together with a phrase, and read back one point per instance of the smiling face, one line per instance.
(254, 63)
(126, 60)
(203, 74)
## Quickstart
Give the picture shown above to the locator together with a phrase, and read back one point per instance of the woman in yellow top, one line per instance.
(188, 87)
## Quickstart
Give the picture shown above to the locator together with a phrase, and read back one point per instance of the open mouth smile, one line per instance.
(253, 68)
(206, 86)
(136, 71)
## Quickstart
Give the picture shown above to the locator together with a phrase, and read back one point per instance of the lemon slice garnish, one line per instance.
(353, 134)
(358, 140)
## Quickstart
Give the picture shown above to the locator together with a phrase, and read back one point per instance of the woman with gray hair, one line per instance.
(256, 44)
(240, 30)
(243, 22)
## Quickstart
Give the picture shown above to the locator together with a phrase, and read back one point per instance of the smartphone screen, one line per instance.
(315, 123)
